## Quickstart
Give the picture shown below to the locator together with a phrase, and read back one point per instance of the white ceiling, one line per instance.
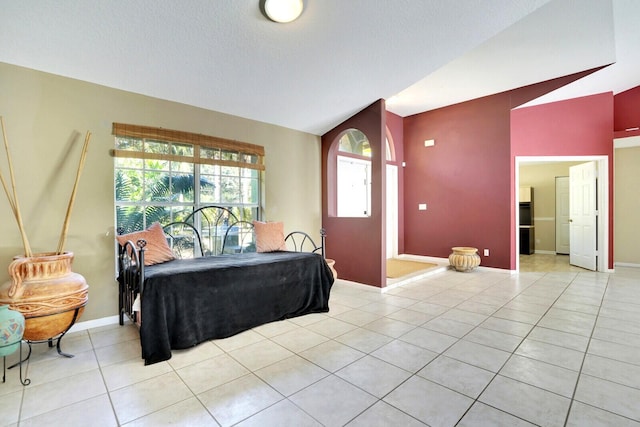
(337, 58)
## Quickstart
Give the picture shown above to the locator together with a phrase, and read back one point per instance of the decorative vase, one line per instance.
(464, 258)
(331, 263)
(11, 330)
(45, 290)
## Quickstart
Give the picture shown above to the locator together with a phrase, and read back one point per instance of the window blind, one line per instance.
(207, 149)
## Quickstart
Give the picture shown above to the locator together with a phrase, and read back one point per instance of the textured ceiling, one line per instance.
(340, 56)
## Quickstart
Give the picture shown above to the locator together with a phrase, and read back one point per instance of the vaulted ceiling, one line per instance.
(338, 57)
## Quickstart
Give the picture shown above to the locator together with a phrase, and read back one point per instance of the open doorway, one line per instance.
(392, 191)
(545, 223)
(392, 211)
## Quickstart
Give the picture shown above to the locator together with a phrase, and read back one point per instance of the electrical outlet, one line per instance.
(422, 206)
(486, 252)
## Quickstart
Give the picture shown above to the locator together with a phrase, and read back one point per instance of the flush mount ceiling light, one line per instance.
(282, 10)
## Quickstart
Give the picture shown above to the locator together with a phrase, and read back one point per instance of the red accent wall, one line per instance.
(626, 107)
(463, 179)
(467, 178)
(357, 244)
(576, 127)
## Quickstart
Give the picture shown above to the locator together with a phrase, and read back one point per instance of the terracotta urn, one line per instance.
(331, 263)
(45, 290)
(464, 258)
(11, 330)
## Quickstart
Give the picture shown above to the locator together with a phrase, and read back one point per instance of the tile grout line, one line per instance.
(104, 381)
(458, 340)
(445, 349)
(586, 352)
(514, 351)
(380, 399)
(568, 287)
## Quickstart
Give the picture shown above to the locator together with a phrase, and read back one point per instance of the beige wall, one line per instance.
(46, 118)
(626, 205)
(542, 178)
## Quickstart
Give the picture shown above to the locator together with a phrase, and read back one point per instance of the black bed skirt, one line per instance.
(186, 302)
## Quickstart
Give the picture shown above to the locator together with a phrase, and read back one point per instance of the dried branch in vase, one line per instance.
(72, 199)
(12, 195)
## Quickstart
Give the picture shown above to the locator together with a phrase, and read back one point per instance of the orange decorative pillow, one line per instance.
(269, 236)
(157, 249)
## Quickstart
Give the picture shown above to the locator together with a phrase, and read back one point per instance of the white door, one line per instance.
(583, 215)
(392, 211)
(562, 215)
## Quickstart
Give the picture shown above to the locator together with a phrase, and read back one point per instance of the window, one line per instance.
(354, 175)
(355, 142)
(354, 187)
(164, 175)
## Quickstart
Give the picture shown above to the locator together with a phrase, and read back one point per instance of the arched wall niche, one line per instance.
(352, 143)
(357, 244)
(390, 146)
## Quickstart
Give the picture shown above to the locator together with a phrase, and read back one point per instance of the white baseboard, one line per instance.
(95, 323)
(539, 251)
(626, 264)
(496, 269)
(430, 259)
(445, 262)
(414, 277)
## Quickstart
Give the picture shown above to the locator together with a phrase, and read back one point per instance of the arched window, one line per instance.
(355, 142)
(354, 175)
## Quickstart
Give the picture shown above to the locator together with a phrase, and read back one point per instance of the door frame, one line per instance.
(602, 263)
(392, 211)
(557, 217)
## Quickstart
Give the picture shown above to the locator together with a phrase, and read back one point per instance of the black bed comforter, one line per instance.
(188, 301)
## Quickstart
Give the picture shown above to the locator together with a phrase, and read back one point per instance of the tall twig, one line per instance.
(13, 197)
(6, 190)
(65, 225)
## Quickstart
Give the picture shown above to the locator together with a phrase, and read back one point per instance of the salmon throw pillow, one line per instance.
(157, 249)
(269, 236)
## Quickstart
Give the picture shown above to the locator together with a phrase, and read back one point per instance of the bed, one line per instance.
(221, 287)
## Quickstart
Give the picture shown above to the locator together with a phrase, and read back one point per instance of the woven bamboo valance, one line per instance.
(196, 139)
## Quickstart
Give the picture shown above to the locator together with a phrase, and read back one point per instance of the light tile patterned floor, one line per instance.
(484, 348)
(546, 262)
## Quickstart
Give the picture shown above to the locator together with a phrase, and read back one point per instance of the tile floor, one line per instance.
(546, 262)
(484, 348)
